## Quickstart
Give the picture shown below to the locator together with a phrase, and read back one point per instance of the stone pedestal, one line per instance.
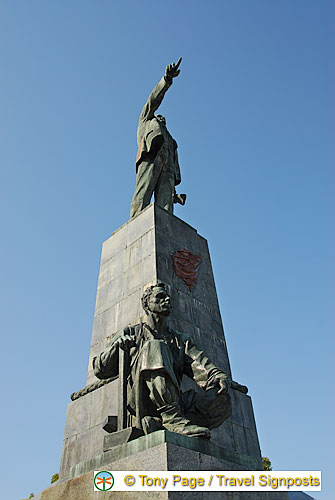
(161, 450)
(138, 254)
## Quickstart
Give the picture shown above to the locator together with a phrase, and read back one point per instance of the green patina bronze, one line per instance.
(157, 164)
(158, 359)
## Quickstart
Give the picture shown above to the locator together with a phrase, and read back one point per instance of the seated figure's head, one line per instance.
(161, 119)
(156, 299)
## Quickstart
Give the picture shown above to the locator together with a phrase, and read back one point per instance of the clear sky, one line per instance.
(252, 111)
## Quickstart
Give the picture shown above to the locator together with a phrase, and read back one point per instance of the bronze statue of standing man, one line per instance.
(157, 164)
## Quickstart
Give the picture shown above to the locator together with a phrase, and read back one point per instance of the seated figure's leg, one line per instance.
(158, 392)
(162, 391)
(146, 180)
(165, 396)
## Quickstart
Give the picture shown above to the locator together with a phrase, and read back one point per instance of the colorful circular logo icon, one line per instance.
(103, 480)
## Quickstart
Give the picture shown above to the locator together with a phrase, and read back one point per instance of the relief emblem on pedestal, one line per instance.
(186, 266)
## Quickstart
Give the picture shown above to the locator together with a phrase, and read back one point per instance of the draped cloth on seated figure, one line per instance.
(158, 361)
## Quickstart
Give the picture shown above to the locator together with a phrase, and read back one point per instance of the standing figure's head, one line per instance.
(161, 119)
(156, 299)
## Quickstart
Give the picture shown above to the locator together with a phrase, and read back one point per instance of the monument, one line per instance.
(159, 393)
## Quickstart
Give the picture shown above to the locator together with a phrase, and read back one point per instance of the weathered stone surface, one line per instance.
(83, 435)
(246, 410)
(237, 416)
(108, 322)
(252, 443)
(152, 441)
(109, 294)
(120, 437)
(240, 440)
(224, 435)
(137, 228)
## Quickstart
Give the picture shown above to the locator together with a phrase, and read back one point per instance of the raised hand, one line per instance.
(171, 71)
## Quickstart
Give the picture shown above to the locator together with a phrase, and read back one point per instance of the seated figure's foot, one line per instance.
(188, 429)
(174, 421)
(151, 424)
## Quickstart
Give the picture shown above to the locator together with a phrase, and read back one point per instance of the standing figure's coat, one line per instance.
(157, 166)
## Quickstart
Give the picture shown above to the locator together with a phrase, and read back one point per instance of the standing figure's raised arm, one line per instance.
(157, 95)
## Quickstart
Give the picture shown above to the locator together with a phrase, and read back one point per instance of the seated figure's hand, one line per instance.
(125, 342)
(221, 382)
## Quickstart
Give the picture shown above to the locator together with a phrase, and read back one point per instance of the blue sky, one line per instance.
(252, 112)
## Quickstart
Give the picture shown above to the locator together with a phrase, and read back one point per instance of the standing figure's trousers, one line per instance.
(152, 179)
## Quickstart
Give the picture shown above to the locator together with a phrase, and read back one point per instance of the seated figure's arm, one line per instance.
(106, 365)
(202, 371)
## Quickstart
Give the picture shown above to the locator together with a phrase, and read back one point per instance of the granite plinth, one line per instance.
(159, 438)
(161, 450)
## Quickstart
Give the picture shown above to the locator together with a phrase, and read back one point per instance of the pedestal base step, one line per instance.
(144, 443)
(121, 437)
(159, 451)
